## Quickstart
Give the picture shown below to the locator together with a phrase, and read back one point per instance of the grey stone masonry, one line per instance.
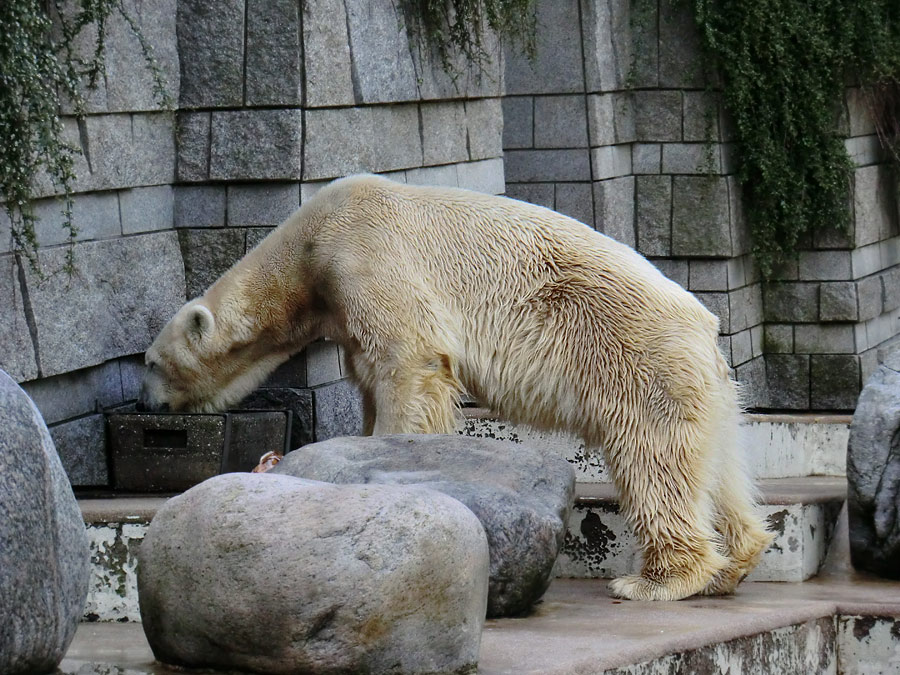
(18, 356)
(272, 99)
(663, 168)
(257, 144)
(207, 254)
(125, 150)
(274, 65)
(211, 45)
(123, 293)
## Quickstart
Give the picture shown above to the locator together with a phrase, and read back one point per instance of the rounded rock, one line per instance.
(44, 550)
(873, 473)
(521, 496)
(275, 574)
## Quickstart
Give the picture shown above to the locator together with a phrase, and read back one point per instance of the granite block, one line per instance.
(838, 301)
(825, 266)
(128, 82)
(560, 122)
(192, 141)
(261, 204)
(788, 302)
(701, 116)
(444, 133)
(256, 144)
(542, 194)
(778, 338)
(834, 381)
(558, 65)
(576, 201)
(134, 286)
(274, 60)
(147, 209)
(485, 128)
(211, 50)
(646, 158)
(657, 115)
(17, 348)
(654, 215)
(518, 122)
(614, 208)
(708, 275)
(338, 409)
(681, 54)
(526, 166)
(208, 254)
(619, 48)
(383, 68)
(81, 445)
(77, 393)
(327, 60)
(199, 206)
(485, 176)
(611, 161)
(834, 338)
(870, 297)
(701, 223)
(788, 379)
(611, 118)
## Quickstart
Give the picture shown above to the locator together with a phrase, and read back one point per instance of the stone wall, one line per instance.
(272, 102)
(618, 124)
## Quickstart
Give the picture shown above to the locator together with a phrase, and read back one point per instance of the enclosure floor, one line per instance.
(578, 627)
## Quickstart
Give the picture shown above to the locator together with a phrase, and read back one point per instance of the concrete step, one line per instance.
(777, 446)
(848, 625)
(802, 512)
(598, 542)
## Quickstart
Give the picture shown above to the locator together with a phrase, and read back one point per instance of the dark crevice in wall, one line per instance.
(29, 315)
(354, 72)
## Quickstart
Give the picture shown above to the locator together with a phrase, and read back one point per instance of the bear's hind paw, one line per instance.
(634, 587)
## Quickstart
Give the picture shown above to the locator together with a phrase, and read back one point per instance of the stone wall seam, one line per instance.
(29, 314)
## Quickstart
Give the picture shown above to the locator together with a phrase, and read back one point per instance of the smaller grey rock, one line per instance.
(522, 497)
(44, 554)
(873, 473)
(275, 574)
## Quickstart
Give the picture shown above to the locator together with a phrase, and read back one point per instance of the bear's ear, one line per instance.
(200, 322)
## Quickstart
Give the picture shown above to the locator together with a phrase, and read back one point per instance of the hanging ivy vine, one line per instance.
(38, 68)
(785, 64)
(458, 26)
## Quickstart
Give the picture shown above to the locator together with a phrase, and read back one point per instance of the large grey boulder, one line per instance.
(44, 554)
(275, 574)
(873, 473)
(522, 497)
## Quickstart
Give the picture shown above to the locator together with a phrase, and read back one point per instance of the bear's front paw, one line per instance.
(634, 587)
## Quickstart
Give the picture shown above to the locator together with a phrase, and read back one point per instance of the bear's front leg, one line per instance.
(420, 396)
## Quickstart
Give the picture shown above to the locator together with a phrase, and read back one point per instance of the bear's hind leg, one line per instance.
(744, 537)
(664, 492)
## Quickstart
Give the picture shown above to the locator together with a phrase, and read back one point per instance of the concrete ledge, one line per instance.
(776, 446)
(849, 624)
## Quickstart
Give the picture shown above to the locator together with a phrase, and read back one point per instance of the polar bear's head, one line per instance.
(277, 299)
(198, 364)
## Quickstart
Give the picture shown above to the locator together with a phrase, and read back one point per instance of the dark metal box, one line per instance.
(166, 452)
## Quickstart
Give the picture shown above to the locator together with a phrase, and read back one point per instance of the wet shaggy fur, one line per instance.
(432, 291)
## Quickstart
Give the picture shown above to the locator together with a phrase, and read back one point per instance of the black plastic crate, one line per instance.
(167, 452)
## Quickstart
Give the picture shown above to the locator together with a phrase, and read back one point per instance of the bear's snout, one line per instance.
(145, 402)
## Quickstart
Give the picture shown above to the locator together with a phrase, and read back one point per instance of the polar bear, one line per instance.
(432, 291)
